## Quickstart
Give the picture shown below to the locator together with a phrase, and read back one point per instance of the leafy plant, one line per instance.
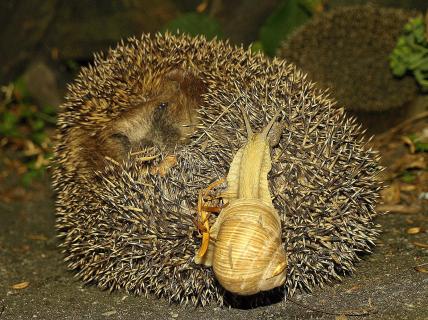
(411, 52)
(195, 24)
(420, 143)
(288, 16)
(23, 130)
(408, 177)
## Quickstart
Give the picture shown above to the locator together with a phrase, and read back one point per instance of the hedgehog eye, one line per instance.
(162, 106)
(160, 111)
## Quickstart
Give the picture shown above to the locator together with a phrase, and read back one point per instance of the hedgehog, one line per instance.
(127, 181)
(347, 50)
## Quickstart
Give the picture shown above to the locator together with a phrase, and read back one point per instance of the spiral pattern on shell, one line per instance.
(251, 232)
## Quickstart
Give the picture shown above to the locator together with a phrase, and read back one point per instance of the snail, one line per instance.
(244, 245)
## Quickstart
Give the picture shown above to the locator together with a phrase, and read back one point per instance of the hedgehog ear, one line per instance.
(187, 82)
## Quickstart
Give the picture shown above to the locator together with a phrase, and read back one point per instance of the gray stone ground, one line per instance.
(385, 285)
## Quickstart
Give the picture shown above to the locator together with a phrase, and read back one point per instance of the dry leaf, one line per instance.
(409, 161)
(109, 313)
(421, 269)
(414, 230)
(41, 161)
(31, 149)
(38, 237)
(353, 289)
(21, 285)
(391, 194)
(421, 244)
(341, 317)
(408, 198)
(202, 6)
(408, 142)
(407, 187)
(54, 53)
(165, 165)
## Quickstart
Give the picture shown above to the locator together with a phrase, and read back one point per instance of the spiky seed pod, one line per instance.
(124, 226)
(347, 50)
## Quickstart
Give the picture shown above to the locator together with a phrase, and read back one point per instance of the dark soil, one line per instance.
(386, 284)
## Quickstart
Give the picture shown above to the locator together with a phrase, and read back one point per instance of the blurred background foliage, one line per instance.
(411, 52)
(45, 44)
(25, 133)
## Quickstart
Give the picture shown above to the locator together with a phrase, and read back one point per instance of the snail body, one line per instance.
(246, 250)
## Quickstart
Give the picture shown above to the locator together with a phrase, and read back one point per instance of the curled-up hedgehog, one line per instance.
(199, 172)
(347, 51)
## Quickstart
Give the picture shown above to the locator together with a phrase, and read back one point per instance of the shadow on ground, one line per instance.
(386, 284)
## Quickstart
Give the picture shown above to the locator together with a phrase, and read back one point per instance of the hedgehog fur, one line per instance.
(347, 50)
(123, 226)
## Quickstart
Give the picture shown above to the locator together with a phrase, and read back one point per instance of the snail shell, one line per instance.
(246, 252)
(248, 255)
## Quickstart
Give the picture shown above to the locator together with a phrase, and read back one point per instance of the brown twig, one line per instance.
(407, 269)
(398, 208)
(382, 137)
(421, 265)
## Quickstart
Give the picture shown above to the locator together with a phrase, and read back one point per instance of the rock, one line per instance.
(41, 83)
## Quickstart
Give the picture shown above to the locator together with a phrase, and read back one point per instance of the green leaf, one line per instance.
(411, 52)
(408, 177)
(21, 90)
(256, 47)
(311, 6)
(421, 147)
(37, 124)
(25, 111)
(289, 15)
(72, 65)
(10, 118)
(30, 176)
(8, 124)
(195, 24)
(38, 137)
(49, 110)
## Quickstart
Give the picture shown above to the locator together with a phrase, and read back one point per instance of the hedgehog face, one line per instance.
(167, 116)
(164, 120)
